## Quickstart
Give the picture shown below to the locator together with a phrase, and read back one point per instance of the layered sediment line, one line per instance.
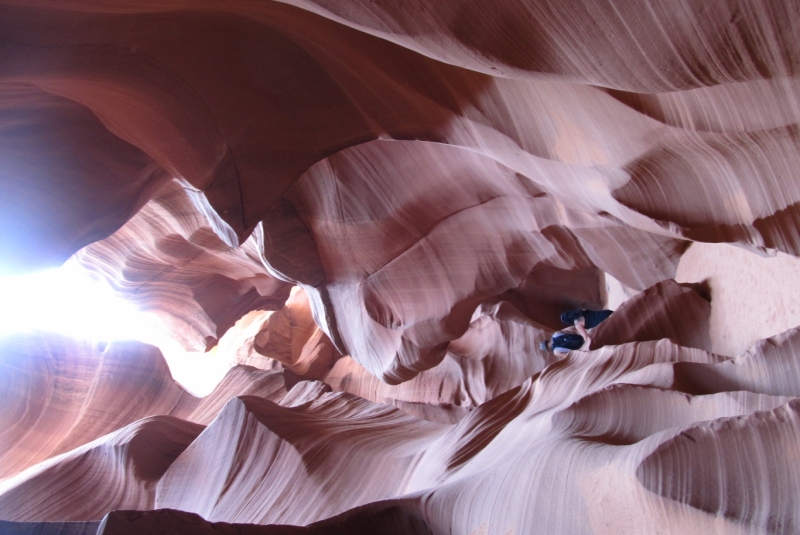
(439, 181)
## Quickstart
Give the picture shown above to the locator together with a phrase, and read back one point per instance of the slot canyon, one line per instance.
(372, 213)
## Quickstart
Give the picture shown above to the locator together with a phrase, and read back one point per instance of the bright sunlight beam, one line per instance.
(68, 301)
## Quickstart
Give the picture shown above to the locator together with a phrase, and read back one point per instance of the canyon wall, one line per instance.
(400, 198)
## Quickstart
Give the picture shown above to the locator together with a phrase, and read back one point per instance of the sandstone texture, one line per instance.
(374, 211)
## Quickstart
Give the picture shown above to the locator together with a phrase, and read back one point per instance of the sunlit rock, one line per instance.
(442, 180)
(665, 311)
(312, 444)
(291, 337)
(605, 419)
(463, 229)
(176, 258)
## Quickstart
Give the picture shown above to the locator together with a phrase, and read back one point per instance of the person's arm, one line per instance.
(587, 340)
(579, 325)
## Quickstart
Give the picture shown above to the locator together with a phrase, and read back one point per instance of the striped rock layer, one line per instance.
(400, 198)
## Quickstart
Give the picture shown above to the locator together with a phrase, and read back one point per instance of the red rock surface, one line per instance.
(439, 180)
(291, 337)
(176, 258)
(59, 394)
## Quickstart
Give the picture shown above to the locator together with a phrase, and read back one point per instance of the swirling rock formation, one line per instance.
(439, 180)
(59, 394)
(291, 337)
(54, 203)
(178, 260)
(122, 468)
(602, 429)
(461, 234)
(677, 312)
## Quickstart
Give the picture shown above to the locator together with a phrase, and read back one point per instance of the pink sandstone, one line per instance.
(396, 200)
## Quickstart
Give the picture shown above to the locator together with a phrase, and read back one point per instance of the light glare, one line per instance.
(69, 302)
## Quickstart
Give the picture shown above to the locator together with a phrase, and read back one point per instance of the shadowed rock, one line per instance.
(442, 179)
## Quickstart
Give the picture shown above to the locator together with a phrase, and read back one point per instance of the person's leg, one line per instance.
(570, 316)
(596, 317)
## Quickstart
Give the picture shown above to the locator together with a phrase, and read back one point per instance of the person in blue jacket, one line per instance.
(575, 338)
(591, 318)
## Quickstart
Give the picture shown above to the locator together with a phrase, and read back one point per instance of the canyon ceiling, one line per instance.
(384, 206)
